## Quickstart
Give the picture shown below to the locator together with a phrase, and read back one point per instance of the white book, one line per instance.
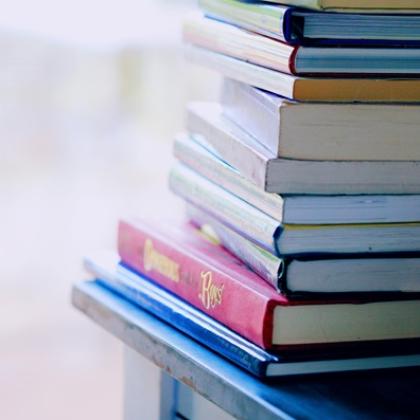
(324, 131)
(296, 209)
(292, 176)
(286, 240)
(312, 276)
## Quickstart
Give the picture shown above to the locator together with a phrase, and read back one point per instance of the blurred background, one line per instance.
(91, 95)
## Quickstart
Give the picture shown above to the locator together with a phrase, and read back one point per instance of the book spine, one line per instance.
(179, 268)
(202, 159)
(204, 120)
(265, 264)
(245, 106)
(289, 26)
(232, 211)
(292, 61)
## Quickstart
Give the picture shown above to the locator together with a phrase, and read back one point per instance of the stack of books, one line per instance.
(301, 253)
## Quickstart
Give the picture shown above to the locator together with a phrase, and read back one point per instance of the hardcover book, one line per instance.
(305, 89)
(296, 209)
(291, 176)
(292, 240)
(300, 60)
(309, 277)
(217, 283)
(299, 26)
(369, 132)
(368, 6)
(140, 291)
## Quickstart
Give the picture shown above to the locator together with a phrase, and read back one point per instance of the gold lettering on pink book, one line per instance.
(211, 293)
(153, 260)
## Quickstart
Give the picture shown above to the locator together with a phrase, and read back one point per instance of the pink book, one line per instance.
(183, 261)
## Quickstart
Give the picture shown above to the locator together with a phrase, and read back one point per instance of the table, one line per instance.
(194, 380)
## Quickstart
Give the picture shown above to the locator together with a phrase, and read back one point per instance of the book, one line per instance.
(395, 6)
(305, 89)
(300, 60)
(113, 276)
(306, 276)
(292, 240)
(323, 131)
(295, 209)
(212, 280)
(300, 26)
(207, 125)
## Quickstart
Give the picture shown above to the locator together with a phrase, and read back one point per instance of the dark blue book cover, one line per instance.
(150, 297)
(300, 26)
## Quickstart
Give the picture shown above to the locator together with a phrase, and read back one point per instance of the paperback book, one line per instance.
(293, 240)
(310, 277)
(364, 132)
(208, 125)
(296, 209)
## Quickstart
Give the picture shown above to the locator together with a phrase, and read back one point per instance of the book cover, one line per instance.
(203, 274)
(179, 314)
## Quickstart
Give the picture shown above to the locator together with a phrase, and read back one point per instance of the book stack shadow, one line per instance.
(300, 252)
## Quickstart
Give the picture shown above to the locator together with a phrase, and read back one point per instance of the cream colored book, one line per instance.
(367, 132)
(293, 176)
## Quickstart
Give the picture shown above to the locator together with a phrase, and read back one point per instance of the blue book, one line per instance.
(179, 314)
(308, 27)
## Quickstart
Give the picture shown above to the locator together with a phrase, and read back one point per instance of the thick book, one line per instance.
(310, 277)
(300, 60)
(293, 240)
(309, 89)
(387, 132)
(140, 291)
(300, 26)
(296, 209)
(292, 176)
(211, 279)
